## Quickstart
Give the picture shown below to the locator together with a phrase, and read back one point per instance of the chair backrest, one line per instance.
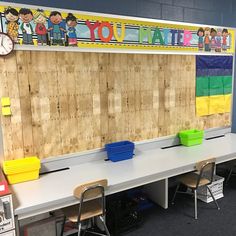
(92, 190)
(206, 170)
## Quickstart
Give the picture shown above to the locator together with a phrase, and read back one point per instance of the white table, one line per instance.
(55, 190)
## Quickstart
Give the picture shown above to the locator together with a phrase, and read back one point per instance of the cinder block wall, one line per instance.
(215, 12)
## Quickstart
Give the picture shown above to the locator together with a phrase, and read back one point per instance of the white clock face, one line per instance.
(6, 44)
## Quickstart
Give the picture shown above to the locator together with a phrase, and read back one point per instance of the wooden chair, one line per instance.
(92, 204)
(202, 177)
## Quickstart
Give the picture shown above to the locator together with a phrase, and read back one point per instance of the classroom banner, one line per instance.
(43, 27)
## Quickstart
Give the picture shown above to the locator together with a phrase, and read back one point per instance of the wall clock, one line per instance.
(6, 44)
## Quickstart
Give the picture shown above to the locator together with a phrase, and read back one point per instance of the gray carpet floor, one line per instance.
(178, 219)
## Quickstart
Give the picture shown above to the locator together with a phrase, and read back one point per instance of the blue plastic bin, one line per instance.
(119, 151)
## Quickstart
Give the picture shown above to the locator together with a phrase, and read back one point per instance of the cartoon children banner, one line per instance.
(42, 27)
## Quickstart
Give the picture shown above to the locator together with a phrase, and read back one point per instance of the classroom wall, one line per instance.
(215, 12)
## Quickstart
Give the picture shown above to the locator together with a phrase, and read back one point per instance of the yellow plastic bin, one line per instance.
(21, 170)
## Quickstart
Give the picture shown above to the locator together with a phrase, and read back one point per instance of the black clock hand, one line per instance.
(4, 47)
(1, 41)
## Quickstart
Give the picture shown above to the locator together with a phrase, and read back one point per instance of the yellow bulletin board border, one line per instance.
(138, 34)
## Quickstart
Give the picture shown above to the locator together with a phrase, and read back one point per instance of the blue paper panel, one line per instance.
(214, 62)
(214, 72)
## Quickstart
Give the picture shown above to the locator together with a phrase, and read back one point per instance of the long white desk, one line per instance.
(55, 190)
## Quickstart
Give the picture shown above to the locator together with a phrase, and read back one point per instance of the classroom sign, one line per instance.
(43, 28)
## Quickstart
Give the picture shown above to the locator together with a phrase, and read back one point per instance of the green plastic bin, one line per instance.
(191, 137)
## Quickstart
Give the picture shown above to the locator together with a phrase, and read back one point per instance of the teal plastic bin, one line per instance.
(191, 137)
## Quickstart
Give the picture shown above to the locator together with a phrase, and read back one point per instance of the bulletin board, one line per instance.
(57, 100)
(67, 102)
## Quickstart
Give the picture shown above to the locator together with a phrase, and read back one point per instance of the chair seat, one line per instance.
(90, 209)
(190, 180)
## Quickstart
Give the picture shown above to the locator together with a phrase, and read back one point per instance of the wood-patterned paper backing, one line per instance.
(67, 102)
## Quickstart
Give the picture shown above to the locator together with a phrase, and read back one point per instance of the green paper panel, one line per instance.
(202, 86)
(216, 86)
(227, 81)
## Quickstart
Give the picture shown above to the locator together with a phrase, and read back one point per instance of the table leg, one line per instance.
(17, 226)
(158, 192)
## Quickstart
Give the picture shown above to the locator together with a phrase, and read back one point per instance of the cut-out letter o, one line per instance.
(110, 29)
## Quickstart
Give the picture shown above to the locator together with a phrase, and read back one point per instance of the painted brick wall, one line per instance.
(216, 12)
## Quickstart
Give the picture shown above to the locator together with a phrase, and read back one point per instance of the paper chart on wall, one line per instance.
(213, 84)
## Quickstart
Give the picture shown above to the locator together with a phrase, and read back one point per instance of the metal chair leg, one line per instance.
(176, 190)
(63, 224)
(195, 203)
(79, 229)
(104, 224)
(93, 222)
(213, 198)
(229, 175)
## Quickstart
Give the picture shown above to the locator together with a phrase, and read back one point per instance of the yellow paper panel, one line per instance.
(228, 102)
(6, 111)
(216, 104)
(202, 106)
(5, 101)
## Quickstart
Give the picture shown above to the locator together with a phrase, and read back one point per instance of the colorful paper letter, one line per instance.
(92, 27)
(157, 36)
(118, 38)
(145, 32)
(187, 38)
(100, 32)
